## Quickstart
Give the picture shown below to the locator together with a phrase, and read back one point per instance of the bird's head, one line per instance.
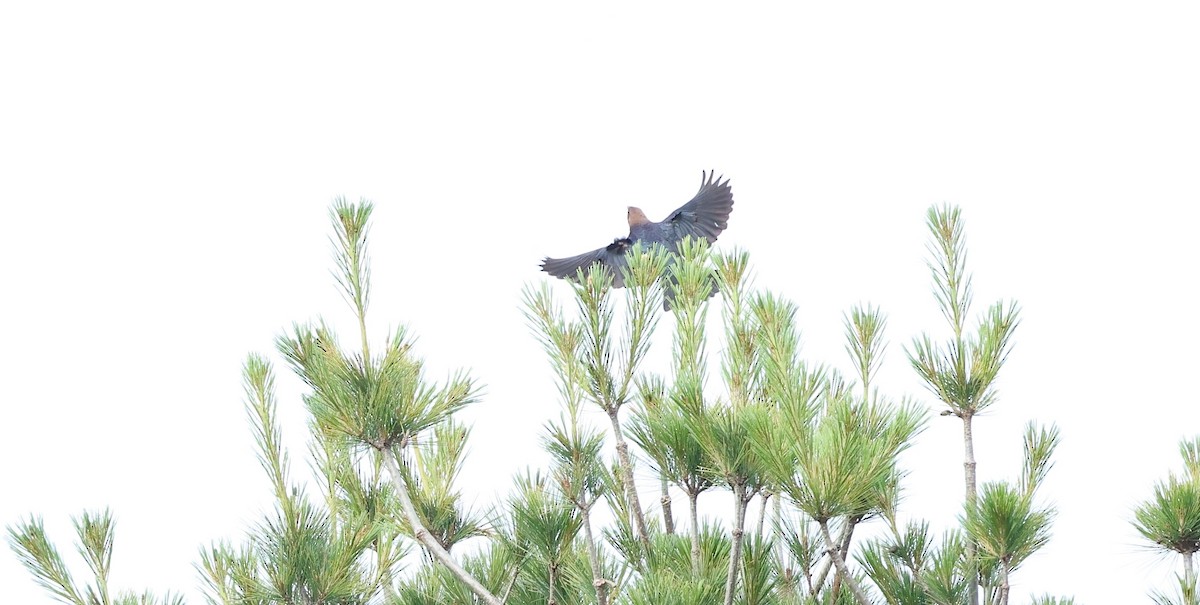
(636, 216)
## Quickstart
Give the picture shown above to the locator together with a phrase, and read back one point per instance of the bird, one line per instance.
(704, 216)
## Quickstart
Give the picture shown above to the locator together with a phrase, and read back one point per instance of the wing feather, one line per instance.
(611, 257)
(705, 215)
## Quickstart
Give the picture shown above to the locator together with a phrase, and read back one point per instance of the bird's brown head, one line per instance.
(637, 217)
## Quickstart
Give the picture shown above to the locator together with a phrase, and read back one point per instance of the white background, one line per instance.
(165, 175)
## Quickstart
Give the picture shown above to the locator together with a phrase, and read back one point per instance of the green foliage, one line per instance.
(347, 549)
(675, 589)
(621, 534)
(376, 401)
(302, 552)
(838, 467)
(724, 432)
(351, 224)
(907, 567)
(662, 426)
(497, 568)
(1040, 444)
(670, 578)
(577, 467)
(896, 565)
(1052, 600)
(387, 451)
(672, 553)
(803, 550)
(380, 402)
(739, 363)
(1186, 593)
(95, 532)
(962, 371)
(259, 386)
(437, 463)
(544, 523)
(1005, 525)
(665, 433)
(691, 284)
(1005, 522)
(1170, 520)
(786, 383)
(610, 364)
(760, 572)
(306, 558)
(588, 359)
(864, 342)
(42, 560)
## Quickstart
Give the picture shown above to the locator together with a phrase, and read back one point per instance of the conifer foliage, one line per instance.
(1170, 522)
(800, 456)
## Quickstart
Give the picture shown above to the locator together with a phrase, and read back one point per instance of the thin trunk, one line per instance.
(598, 580)
(762, 513)
(511, 583)
(668, 514)
(1002, 597)
(693, 496)
(844, 549)
(848, 534)
(425, 538)
(859, 595)
(777, 544)
(630, 489)
(1189, 573)
(969, 457)
(846, 529)
(835, 585)
(735, 553)
(553, 575)
(969, 477)
(821, 575)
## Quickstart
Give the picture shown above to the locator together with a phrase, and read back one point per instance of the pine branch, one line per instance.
(427, 539)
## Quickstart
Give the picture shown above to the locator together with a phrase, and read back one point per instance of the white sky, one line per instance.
(165, 175)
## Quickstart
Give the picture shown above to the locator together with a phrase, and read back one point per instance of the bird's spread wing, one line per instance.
(707, 214)
(611, 257)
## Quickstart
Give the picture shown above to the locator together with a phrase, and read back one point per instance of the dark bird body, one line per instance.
(706, 215)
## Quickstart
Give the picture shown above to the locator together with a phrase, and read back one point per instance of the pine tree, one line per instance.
(818, 449)
(1170, 521)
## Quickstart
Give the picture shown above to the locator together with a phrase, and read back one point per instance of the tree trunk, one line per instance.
(844, 537)
(1001, 597)
(969, 458)
(425, 538)
(762, 513)
(598, 581)
(668, 514)
(838, 561)
(844, 549)
(627, 470)
(777, 544)
(1189, 573)
(512, 582)
(692, 498)
(735, 553)
(969, 478)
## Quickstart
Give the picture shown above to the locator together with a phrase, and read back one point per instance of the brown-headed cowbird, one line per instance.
(706, 215)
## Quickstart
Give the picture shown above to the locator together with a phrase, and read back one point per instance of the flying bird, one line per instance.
(705, 215)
